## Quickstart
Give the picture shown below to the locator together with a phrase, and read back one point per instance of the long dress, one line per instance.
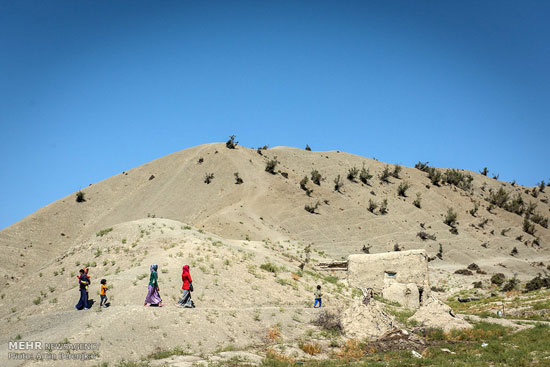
(153, 296)
(83, 301)
(185, 299)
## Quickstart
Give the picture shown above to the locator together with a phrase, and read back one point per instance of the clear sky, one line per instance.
(89, 89)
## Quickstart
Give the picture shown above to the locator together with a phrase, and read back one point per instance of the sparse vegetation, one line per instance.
(484, 171)
(365, 175)
(456, 178)
(270, 166)
(338, 183)
(385, 175)
(80, 197)
(231, 143)
(498, 279)
(396, 171)
(208, 177)
(418, 201)
(384, 207)
(402, 189)
(330, 321)
(311, 208)
(103, 232)
(426, 236)
(308, 148)
(316, 177)
(238, 179)
(528, 227)
(422, 166)
(352, 173)
(435, 176)
(372, 206)
(450, 218)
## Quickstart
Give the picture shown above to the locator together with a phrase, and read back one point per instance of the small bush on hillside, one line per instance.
(338, 183)
(542, 185)
(495, 177)
(103, 232)
(456, 178)
(505, 230)
(425, 236)
(498, 279)
(530, 209)
(269, 267)
(422, 166)
(464, 272)
(418, 201)
(384, 207)
(535, 192)
(231, 143)
(484, 171)
(365, 175)
(537, 283)
(303, 183)
(435, 176)
(308, 148)
(396, 171)
(402, 189)
(80, 197)
(475, 209)
(352, 173)
(440, 252)
(516, 205)
(511, 285)
(208, 177)
(450, 218)
(396, 247)
(316, 177)
(200, 161)
(270, 166)
(385, 175)
(499, 198)
(514, 251)
(528, 227)
(311, 208)
(330, 321)
(540, 220)
(372, 206)
(238, 179)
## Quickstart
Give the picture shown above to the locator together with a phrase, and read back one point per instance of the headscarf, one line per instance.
(185, 269)
(153, 268)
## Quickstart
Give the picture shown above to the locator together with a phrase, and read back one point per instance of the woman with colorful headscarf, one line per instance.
(153, 296)
(187, 288)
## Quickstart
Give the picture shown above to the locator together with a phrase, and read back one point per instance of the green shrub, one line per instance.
(498, 279)
(208, 177)
(475, 209)
(516, 205)
(303, 183)
(499, 198)
(540, 220)
(316, 177)
(231, 143)
(352, 173)
(238, 179)
(528, 227)
(103, 232)
(484, 171)
(450, 218)
(422, 166)
(338, 183)
(384, 207)
(269, 267)
(435, 176)
(456, 178)
(308, 148)
(372, 206)
(511, 285)
(537, 283)
(80, 197)
(270, 166)
(311, 208)
(418, 201)
(365, 175)
(385, 175)
(402, 189)
(396, 170)
(542, 185)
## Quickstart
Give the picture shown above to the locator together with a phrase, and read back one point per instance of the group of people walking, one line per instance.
(153, 296)
(153, 291)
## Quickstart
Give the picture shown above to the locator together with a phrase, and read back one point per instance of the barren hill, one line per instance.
(271, 206)
(245, 242)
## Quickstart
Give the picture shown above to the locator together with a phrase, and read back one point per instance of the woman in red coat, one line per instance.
(187, 287)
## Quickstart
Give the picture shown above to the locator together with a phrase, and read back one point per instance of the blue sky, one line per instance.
(89, 89)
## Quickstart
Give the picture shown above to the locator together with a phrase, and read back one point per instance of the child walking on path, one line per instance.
(103, 293)
(318, 296)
